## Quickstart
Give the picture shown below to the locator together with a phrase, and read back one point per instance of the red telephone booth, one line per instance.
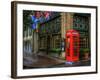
(72, 46)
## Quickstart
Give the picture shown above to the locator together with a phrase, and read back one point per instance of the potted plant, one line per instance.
(86, 54)
(56, 51)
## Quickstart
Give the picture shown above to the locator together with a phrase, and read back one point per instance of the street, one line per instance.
(50, 62)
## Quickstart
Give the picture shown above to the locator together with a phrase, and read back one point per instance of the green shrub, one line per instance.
(86, 50)
(57, 50)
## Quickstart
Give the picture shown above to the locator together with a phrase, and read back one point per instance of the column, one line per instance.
(66, 24)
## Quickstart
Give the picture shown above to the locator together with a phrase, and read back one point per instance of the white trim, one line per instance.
(28, 72)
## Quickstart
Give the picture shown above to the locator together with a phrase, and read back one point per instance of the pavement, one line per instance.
(46, 61)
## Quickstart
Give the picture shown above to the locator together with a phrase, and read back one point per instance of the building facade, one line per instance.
(51, 36)
(52, 33)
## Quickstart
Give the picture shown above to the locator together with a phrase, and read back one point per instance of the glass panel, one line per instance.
(75, 45)
(68, 46)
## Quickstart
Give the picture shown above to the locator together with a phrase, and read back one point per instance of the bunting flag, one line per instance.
(41, 19)
(38, 14)
(47, 15)
(35, 22)
(38, 18)
(33, 18)
(34, 26)
(37, 27)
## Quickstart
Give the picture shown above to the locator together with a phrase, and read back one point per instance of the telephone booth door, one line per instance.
(72, 46)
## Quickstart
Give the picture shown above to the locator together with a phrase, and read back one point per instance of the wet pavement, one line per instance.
(49, 62)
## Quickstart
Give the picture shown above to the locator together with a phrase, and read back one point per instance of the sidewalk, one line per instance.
(42, 62)
(45, 61)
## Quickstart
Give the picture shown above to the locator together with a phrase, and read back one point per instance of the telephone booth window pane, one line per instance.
(75, 44)
(68, 46)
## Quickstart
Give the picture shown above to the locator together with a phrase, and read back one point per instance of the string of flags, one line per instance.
(38, 18)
